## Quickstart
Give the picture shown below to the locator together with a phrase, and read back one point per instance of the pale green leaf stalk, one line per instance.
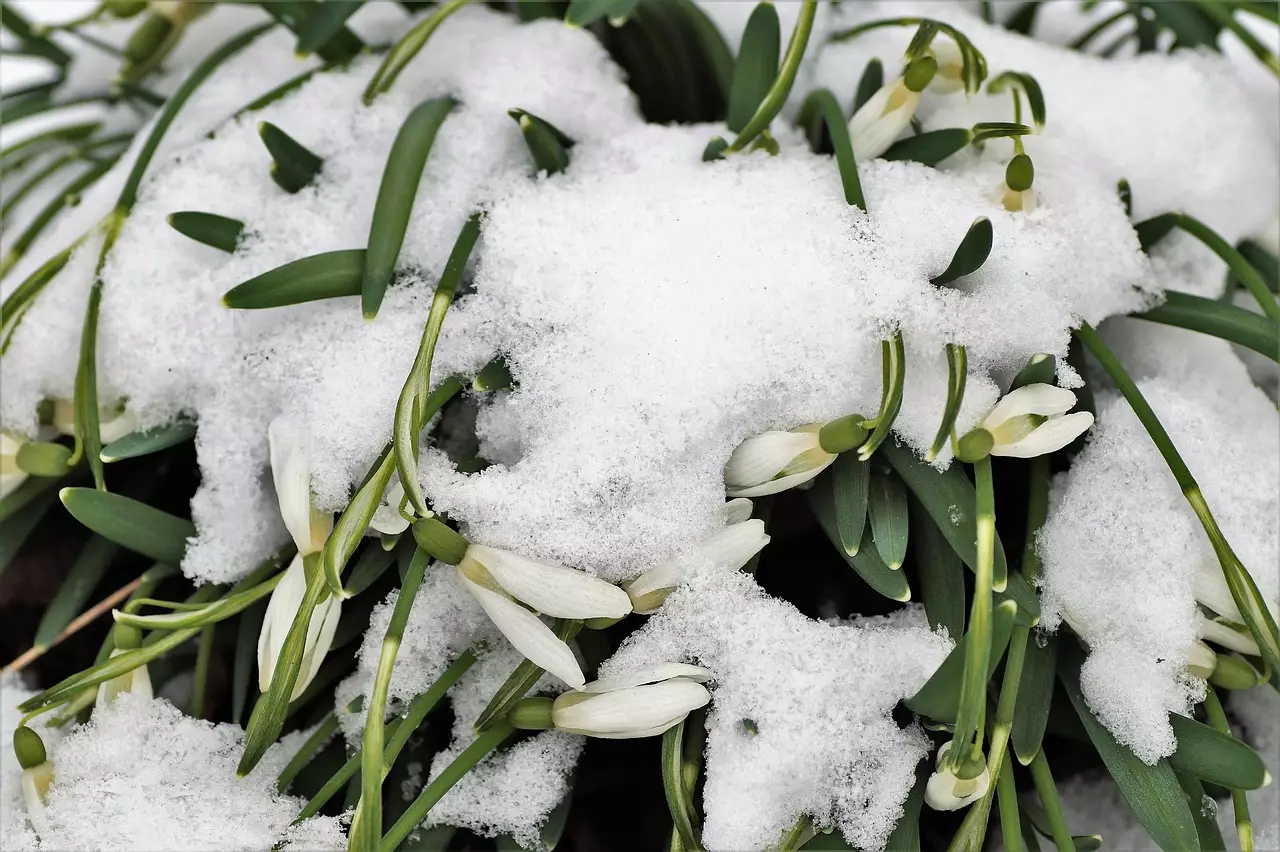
(822, 105)
(1244, 591)
(199, 616)
(781, 88)
(957, 375)
(1047, 792)
(679, 800)
(1239, 803)
(973, 688)
(893, 366)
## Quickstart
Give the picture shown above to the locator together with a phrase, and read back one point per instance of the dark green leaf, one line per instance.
(130, 524)
(1126, 196)
(149, 441)
(396, 194)
(1215, 757)
(939, 698)
(756, 65)
(679, 800)
(403, 51)
(940, 572)
(246, 657)
(1040, 370)
(494, 376)
(325, 28)
(74, 591)
(295, 166)
(1155, 229)
(1035, 697)
(986, 130)
(211, 229)
(887, 506)
(1267, 264)
(1023, 18)
(970, 254)
(1152, 792)
(867, 563)
(821, 105)
(1218, 319)
(18, 526)
(1029, 87)
(549, 147)
(584, 12)
(869, 83)
(851, 479)
(329, 275)
(930, 148)
(1204, 811)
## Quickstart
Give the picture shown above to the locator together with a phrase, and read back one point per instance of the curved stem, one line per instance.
(1049, 801)
(978, 649)
(781, 88)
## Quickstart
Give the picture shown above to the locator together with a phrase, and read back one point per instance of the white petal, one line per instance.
(285, 599)
(320, 630)
(117, 427)
(35, 804)
(653, 674)
(1051, 436)
(634, 734)
(734, 546)
(1229, 638)
(950, 67)
(758, 460)
(291, 472)
(1044, 400)
(635, 708)
(528, 634)
(776, 485)
(875, 138)
(873, 110)
(1211, 589)
(940, 791)
(552, 589)
(1201, 661)
(387, 518)
(737, 510)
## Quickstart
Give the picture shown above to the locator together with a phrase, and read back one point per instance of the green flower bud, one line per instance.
(29, 748)
(531, 714)
(843, 434)
(975, 446)
(920, 73)
(1020, 173)
(127, 637)
(1234, 672)
(440, 541)
(123, 8)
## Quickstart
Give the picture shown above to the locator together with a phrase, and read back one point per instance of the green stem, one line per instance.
(1049, 801)
(1218, 719)
(1037, 511)
(1243, 589)
(321, 735)
(957, 374)
(204, 652)
(893, 361)
(978, 649)
(1010, 823)
(452, 774)
(781, 88)
(367, 825)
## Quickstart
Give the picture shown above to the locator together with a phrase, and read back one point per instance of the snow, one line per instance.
(820, 695)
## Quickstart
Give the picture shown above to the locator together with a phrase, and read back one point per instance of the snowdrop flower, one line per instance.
(11, 476)
(950, 76)
(888, 112)
(387, 518)
(1202, 661)
(291, 472)
(1211, 591)
(642, 704)
(507, 585)
(731, 547)
(137, 681)
(1223, 635)
(775, 461)
(1016, 193)
(37, 775)
(1030, 421)
(113, 423)
(945, 791)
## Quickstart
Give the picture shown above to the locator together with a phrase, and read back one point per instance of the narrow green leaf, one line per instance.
(18, 525)
(244, 661)
(867, 563)
(327, 23)
(1023, 18)
(329, 275)
(548, 146)
(709, 45)
(679, 800)
(371, 565)
(39, 458)
(1152, 792)
(821, 104)
(906, 834)
(521, 680)
(1267, 264)
(39, 45)
(85, 574)
(1040, 369)
(939, 698)
(403, 51)
(756, 65)
(399, 187)
(984, 131)
(130, 524)
(930, 148)
(940, 573)
(970, 254)
(149, 441)
(1203, 810)
(851, 481)
(494, 376)
(553, 829)
(871, 81)
(1218, 319)
(778, 92)
(583, 13)
(957, 377)
(1152, 231)
(893, 366)
(211, 229)
(211, 613)
(1214, 756)
(1035, 697)
(887, 506)
(294, 166)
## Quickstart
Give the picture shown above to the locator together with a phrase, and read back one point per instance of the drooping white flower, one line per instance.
(37, 775)
(1027, 422)
(1211, 590)
(137, 681)
(642, 704)
(879, 122)
(1202, 661)
(502, 581)
(731, 547)
(950, 76)
(1227, 637)
(387, 518)
(291, 472)
(11, 476)
(944, 791)
(286, 597)
(1016, 193)
(775, 461)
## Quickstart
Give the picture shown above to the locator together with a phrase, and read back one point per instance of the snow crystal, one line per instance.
(820, 695)
(141, 775)
(1122, 549)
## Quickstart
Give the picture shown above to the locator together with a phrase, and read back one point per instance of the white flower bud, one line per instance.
(879, 122)
(731, 547)
(775, 461)
(944, 791)
(617, 709)
(1033, 421)
(291, 472)
(11, 476)
(283, 606)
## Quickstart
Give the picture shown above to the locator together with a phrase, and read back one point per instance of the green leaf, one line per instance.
(18, 525)
(43, 459)
(1205, 813)
(957, 377)
(906, 834)
(774, 99)
(821, 104)
(1040, 370)
(396, 194)
(39, 45)
(74, 591)
(717, 63)
(1152, 231)
(940, 573)
(679, 800)
(1035, 697)
(220, 232)
(326, 24)
(930, 148)
(295, 166)
(867, 563)
(1215, 757)
(893, 370)
(553, 829)
(583, 13)
(329, 275)
(521, 680)
(950, 499)
(887, 506)
(149, 441)
(939, 698)
(403, 51)
(1152, 792)
(869, 83)
(1267, 264)
(130, 524)
(851, 481)
(984, 131)
(1023, 18)
(1217, 319)
(548, 146)
(494, 376)
(970, 254)
(371, 565)
(756, 65)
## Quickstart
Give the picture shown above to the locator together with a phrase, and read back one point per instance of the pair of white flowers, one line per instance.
(1027, 422)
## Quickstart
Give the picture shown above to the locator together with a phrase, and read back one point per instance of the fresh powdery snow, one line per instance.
(800, 721)
(1125, 558)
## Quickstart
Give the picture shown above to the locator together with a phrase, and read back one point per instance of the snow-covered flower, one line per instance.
(507, 585)
(879, 122)
(291, 472)
(11, 476)
(732, 547)
(1015, 193)
(113, 423)
(950, 76)
(1027, 422)
(37, 775)
(775, 461)
(138, 680)
(945, 791)
(642, 704)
